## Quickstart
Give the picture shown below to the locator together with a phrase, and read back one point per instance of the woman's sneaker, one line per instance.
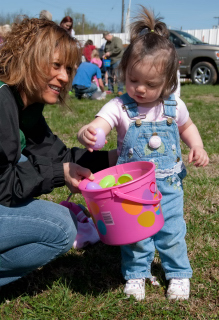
(178, 289)
(136, 288)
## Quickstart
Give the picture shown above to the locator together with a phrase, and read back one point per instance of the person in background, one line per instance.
(95, 59)
(82, 83)
(113, 51)
(103, 68)
(67, 24)
(44, 14)
(36, 69)
(4, 30)
(150, 120)
(87, 50)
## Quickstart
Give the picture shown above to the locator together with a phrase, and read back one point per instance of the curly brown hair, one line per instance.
(149, 37)
(27, 55)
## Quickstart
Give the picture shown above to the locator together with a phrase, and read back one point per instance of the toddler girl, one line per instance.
(150, 121)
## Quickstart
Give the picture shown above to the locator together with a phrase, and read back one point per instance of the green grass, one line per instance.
(87, 284)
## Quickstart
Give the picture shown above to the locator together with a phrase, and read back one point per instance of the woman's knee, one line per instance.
(65, 225)
(53, 223)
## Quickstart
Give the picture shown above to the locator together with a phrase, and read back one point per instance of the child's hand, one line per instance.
(87, 137)
(198, 155)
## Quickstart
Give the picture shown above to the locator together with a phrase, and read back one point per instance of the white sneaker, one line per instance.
(178, 289)
(136, 288)
(85, 95)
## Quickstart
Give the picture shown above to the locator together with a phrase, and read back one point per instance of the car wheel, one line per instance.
(204, 73)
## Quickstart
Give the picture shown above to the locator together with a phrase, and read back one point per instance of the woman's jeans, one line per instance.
(169, 241)
(31, 235)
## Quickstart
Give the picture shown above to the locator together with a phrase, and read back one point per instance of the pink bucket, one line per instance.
(129, 212)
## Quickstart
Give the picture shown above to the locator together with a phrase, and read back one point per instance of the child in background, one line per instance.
(87, 50)
(150, 121)
(95, 58)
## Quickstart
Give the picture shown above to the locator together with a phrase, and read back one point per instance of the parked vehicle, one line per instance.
(199, 61)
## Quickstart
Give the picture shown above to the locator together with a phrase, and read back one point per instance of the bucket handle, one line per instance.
(134, 199)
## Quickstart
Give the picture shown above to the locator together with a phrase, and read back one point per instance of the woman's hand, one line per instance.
(74, 174)
(199, 156)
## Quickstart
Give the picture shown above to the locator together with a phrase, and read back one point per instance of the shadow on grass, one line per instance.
(93, 270)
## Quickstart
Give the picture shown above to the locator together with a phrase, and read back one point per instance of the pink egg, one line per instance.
(93, 186)
(100, 142)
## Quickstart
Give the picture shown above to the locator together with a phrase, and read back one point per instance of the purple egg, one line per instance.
(93, 186)
(100, 142)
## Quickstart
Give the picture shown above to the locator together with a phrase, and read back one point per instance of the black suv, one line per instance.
(198, 60)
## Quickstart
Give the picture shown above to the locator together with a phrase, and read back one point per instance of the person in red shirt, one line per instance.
(88, 48)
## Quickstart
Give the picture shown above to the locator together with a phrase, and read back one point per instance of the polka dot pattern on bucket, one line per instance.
(101, 227)
(146, 215)
(132, 207)
(94, 207)
(146, 219)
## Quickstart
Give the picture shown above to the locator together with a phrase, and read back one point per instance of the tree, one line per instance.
(10, 18)
(82, 26)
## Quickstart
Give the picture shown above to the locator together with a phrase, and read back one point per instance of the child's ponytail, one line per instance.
(149, 37)
(146, 23)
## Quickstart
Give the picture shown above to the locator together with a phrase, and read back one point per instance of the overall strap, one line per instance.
(170, 106)
(129, 105)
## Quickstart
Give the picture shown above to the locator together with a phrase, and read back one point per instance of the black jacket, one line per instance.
(43, 171)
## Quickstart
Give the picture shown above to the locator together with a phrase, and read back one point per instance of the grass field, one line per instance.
(87, 284)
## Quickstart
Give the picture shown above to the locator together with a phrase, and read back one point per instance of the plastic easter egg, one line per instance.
(100, 142)
(93, 186)
(107, 182)
(124, 178)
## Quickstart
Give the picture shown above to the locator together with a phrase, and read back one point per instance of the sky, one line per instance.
(185, 14)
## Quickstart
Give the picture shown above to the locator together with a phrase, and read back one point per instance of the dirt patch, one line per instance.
(207, 99)
(211, 170)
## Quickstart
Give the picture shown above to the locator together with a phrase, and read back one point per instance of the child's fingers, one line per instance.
(199, 157)
(90, 149)
(92, 130)
(203, 162)
(197, 163)
(89, 138)
(190, 156)
(206, 162)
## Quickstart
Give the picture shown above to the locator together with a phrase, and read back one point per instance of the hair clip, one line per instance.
(144, 31)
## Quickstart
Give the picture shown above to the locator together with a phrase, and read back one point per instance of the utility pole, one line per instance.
(83, 23)
(217, 20)
(127, 21)
(122, 22)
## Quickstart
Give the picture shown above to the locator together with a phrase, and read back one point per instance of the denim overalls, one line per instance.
(170, 240)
